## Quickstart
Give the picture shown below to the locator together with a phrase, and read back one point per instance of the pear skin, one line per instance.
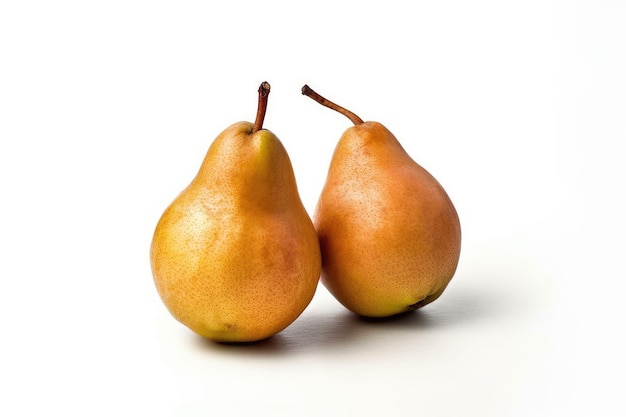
(389, 234)
(235, 257)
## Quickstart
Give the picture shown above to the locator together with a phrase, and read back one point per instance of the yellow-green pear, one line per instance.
(389, 234)
(235, 257)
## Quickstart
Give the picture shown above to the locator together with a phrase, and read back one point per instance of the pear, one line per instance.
(235, 257)
(389, 234)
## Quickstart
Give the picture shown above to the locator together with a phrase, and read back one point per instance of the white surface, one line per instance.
(518, 108)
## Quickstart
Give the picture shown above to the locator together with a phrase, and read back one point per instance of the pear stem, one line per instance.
(307, 91)
(264, 91)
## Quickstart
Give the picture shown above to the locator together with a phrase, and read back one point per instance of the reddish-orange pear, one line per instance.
(389, 234)
(235, 257)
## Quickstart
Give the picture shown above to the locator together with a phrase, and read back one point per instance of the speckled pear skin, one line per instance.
(235, 257)
(389, 234)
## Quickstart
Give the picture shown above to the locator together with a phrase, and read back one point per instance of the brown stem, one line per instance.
(264, 91)
(307, 91)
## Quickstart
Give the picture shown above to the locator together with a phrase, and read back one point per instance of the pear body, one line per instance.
(389, 234)
(235, 257)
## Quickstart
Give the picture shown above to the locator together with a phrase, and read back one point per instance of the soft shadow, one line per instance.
(313, 331)
(275, 345)
(323, 330)
(415, 319)
(472, 304)
(326, 332)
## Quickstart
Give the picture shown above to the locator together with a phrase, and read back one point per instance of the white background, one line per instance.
(517, 107)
